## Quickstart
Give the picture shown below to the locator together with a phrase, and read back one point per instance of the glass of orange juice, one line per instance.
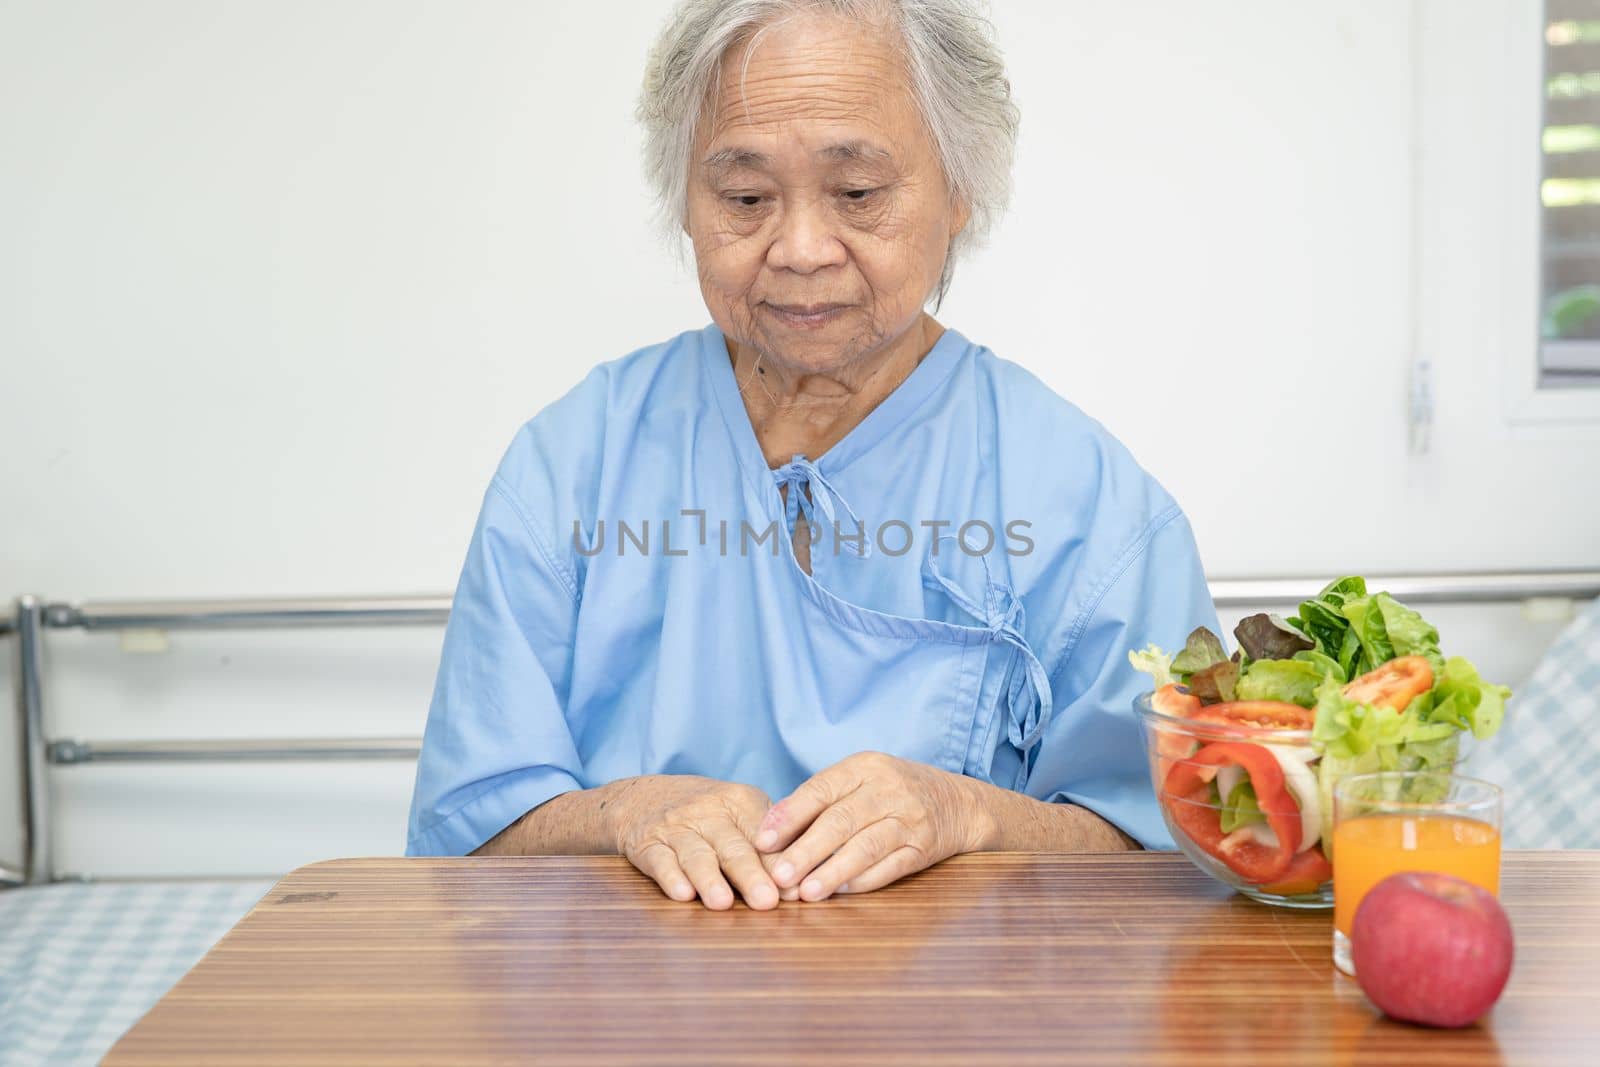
(1409, 821)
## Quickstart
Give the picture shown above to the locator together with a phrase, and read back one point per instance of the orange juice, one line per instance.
(1368, 849)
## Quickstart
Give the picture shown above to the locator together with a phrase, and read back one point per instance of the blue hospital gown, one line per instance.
(984, 556)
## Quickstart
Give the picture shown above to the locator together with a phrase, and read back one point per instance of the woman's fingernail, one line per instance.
(766, 839)
(812, 889)
(843, 889)
(784, 872)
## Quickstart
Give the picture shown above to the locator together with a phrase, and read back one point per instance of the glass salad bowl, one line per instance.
(1239, 792)
(1248, 798)
(1245, 750)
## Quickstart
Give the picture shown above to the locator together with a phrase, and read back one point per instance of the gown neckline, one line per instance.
(922, 383)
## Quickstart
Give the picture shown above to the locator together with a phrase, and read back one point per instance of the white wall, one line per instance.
(278, 281)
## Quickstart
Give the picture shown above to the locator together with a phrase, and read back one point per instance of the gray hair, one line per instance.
(956, 73)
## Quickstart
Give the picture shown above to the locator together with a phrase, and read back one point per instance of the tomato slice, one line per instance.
(1175, 700)
(1187, 796)
(1393, 685)
(1308, 872)
(1173, 745)
(1267, 713)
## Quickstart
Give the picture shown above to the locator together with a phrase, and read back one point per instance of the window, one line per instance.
(1570, 194)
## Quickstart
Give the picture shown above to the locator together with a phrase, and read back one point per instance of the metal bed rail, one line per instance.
(256, 614)
(324, 748)
(265, 613)
(32, 617)
(27, 633)
(1479, 588)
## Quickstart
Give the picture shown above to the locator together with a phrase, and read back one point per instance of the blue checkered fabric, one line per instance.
(1547, 755)
(79, 964)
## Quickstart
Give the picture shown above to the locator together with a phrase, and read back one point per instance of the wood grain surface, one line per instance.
(1015, 959)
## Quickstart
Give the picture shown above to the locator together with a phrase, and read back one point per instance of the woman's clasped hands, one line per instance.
(863, 823)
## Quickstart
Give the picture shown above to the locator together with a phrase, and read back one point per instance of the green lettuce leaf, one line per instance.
(1386, 629)
(1329, 770)
(1439, 754)
(1241, 808)
(1294, 681)
(1342, 589)
(1355, 632)
(1462, 699)
(1154, 662)
(1322, 620)
(1356, 738)
(1350, 654)
(1408, 632)
(1323, 623)
(1346, 729)
(1367, 625)
(1325, 664)
(1202, 650)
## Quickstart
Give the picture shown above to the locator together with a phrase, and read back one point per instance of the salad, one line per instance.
(1353, 683)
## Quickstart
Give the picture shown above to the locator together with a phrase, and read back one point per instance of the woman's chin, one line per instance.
(815, 350)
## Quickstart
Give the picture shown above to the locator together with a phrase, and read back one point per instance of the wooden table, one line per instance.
(1014, 959)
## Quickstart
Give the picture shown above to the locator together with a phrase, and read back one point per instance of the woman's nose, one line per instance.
(805, 241)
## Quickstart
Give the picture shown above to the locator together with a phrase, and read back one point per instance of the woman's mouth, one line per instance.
(805, 316)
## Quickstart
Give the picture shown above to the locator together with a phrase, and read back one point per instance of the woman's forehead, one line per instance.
(843, 82)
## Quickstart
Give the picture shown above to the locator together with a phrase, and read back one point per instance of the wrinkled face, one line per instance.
(819, 213)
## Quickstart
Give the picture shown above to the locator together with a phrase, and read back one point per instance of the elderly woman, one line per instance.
(816, 596)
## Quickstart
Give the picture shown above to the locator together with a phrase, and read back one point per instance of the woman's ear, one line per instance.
(959, 217)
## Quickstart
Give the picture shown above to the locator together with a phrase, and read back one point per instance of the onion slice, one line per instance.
(1302, 784)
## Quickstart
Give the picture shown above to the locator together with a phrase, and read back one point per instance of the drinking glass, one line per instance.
(1431, 821)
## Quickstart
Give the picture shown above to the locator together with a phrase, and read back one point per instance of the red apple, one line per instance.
(1431, 948)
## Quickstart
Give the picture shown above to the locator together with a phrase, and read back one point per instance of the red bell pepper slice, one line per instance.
(1306, 874)
(1187, 795)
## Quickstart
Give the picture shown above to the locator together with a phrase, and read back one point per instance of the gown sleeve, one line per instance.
(498, 742)
(1092, 753)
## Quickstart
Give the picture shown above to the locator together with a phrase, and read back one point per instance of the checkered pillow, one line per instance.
(1547, 755)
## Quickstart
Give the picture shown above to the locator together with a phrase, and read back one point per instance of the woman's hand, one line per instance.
(867, 821)
(693, 836)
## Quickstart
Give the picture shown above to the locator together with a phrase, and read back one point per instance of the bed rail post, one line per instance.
(14, 876)
(28, 624)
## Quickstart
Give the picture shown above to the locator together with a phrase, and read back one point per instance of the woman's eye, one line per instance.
(858, 195)
(746, 199)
